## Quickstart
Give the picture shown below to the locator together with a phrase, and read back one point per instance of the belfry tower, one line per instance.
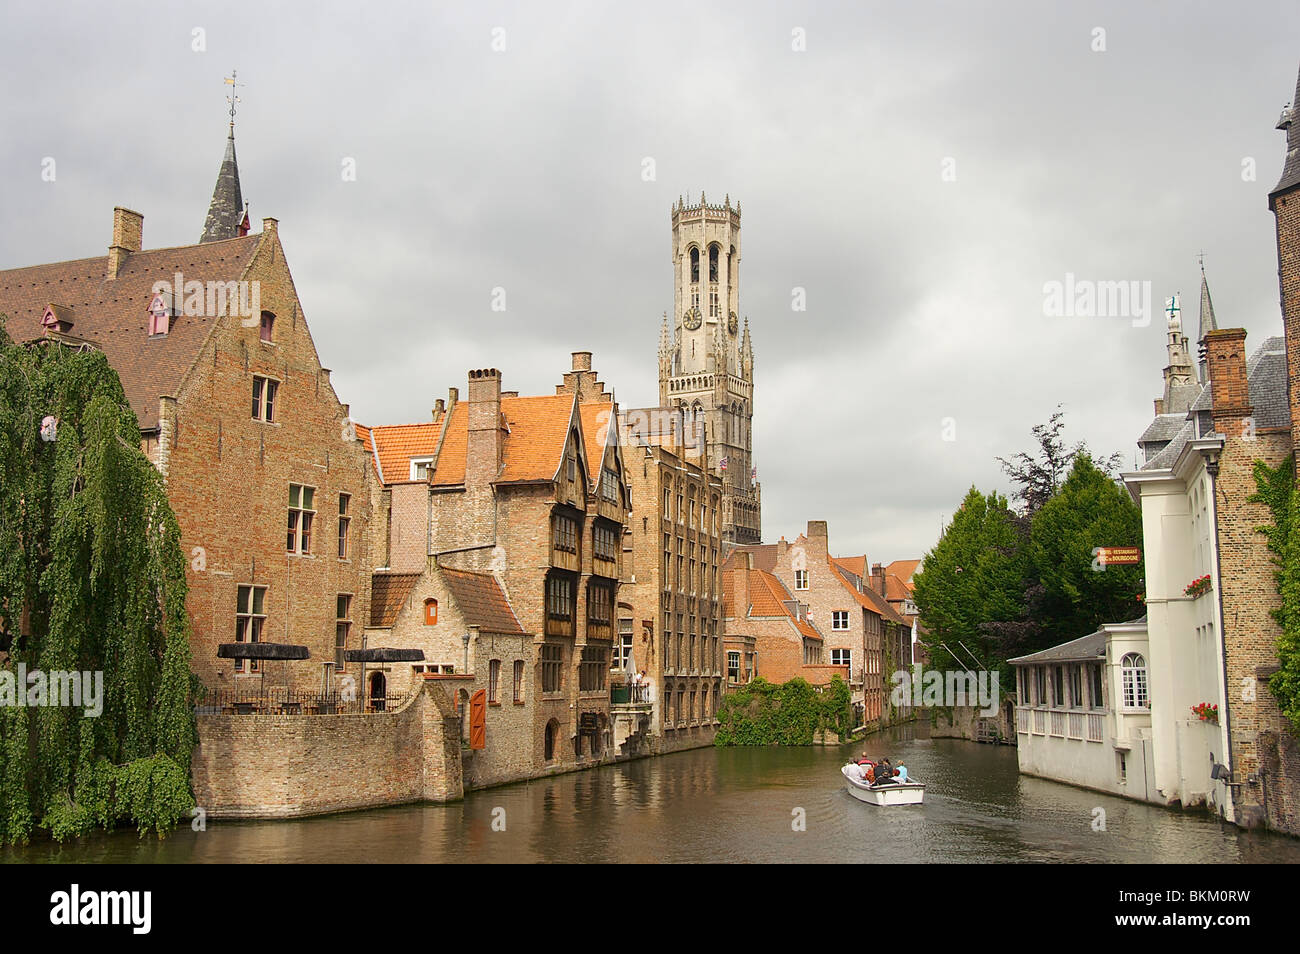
(706, 361)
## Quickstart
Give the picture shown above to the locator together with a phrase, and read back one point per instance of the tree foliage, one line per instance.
(789, 713)
(92, 579)
(1000, 584)
(1276, 488)
(1038, 475)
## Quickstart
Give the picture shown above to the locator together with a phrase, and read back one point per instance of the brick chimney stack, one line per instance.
(816, 540)
(583, 381)
(128, 236)
(740, 585)
(878, 578)
(1226, 358)
(485, 438)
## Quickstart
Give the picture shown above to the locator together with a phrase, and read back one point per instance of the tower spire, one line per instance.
(227, 217)
(1207, 322)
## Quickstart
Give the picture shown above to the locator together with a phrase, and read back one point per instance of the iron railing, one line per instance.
(281, 701)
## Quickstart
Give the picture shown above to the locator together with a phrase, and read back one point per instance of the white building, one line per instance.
(1085, 712)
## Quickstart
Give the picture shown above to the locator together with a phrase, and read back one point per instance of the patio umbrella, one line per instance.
(260, 651)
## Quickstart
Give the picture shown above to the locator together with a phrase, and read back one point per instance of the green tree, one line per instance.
(92, 579)
(1078, 592)
(975, 575)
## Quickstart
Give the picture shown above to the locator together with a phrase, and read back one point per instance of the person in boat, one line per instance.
(900, 774)
(884, 773)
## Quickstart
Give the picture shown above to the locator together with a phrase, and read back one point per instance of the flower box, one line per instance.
(1206, 712)
(1198, 587)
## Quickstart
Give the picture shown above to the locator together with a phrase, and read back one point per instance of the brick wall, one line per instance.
(228, 479)
(263, 766)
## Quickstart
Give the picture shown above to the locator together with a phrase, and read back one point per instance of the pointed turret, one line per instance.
(1207, 324)
(226, 218)
(1290, 124)
(746, 353)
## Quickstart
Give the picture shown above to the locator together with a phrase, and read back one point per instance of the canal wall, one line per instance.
(285, 766)
(969, 722)
(1276, 790)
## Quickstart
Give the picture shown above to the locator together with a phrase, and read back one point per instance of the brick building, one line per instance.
(860, 631)
(267, 479)
(670, 603)
(526, 499)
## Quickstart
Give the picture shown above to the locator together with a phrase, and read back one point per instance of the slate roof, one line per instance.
(388, 594)
(482, 602)
(226, 211)
(1291, 123)
(1083, 649)
(113, 313)
(1266, 376)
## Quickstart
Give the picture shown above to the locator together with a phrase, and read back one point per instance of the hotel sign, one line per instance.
(1118, 556)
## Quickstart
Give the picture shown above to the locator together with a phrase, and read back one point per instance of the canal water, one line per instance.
(728, 805)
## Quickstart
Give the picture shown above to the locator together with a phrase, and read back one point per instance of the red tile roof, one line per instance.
(904, 570)
(867, 597)
(857, 565)
(532, 449)
(388, 594)
(482, 602)
(113, 313)
(767, 598)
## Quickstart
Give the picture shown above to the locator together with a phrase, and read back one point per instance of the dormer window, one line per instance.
(420, 467)
(160, 314)
(57, 318)
(268, 326)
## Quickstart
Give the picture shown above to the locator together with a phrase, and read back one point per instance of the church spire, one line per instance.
(1207, 324)
(226, 214)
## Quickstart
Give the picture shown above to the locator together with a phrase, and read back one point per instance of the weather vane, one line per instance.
(1200, 259)
(232, 99)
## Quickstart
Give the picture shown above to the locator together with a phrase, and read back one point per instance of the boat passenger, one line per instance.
(900, 774)
(884, 773)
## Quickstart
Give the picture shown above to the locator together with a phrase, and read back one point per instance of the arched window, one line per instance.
(713, 263)
(695, 265)
(378, 691)
(1133, 672)
(268, 326)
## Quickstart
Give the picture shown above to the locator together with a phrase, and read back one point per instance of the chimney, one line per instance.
(270, 227)
(128, 234)
(740, 585)
(817, 539)
(439, 406)
(1226, 357)
(483, 453)
(878, 578)
(582, 361)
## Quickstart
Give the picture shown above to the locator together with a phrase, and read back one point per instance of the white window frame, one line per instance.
(416, 462)
(836, 617)
(801, 579)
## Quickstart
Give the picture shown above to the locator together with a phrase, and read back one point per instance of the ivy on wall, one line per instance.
(790, 713)
(1276, 489)
(92, 579)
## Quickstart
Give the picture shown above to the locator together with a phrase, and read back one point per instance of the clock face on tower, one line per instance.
(691, 319)
(731, 322)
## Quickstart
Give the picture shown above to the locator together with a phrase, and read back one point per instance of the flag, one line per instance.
(722, 464)
(753, 473)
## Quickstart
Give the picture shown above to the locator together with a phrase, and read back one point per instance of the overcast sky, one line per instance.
(920, 169)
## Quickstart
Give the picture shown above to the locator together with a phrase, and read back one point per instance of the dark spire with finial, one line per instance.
(226, 214)
(1208, 322)
(1290, 123)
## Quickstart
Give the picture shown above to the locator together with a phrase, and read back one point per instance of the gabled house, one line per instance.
(236, 411)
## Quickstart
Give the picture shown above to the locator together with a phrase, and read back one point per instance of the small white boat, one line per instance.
(892, 793)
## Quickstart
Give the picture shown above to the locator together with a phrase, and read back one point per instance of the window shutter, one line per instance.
(478, 720)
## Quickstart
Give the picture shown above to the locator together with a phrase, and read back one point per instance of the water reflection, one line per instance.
(729, 805)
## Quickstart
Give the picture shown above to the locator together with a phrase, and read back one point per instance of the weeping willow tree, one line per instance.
(92, 580)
